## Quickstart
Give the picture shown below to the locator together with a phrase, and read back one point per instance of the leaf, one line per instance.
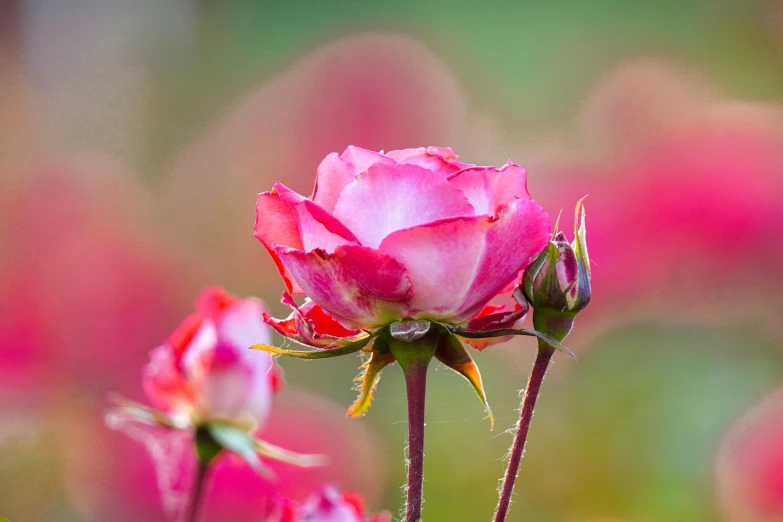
(453, 354)
(379, 359)
(238, 441)
(316, 354)
(470, 334)
(302, 460)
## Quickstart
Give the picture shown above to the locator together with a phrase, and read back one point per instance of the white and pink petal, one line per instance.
(336, 171)
(393, 197)
(457, 265)
(490, 189)
(358, 286)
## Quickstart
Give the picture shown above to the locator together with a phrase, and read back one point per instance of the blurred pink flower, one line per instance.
(410, 233)
(110, 476)
(330, 505)
(205, 369)
(383, 90)
(685, 189)
(81, 279)
(750, 465)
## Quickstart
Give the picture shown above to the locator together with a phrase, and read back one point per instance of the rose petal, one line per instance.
(394, 197)
(242, 324)
(285, 218)
(357, 285)
(488, 188)
(317, 227)
(310, 325)
(164, 383)
(457, 265)
(335, 172)
(440, 160)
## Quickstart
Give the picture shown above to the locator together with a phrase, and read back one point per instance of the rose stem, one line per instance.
(416, 387)
(526, 415)
(198, 491)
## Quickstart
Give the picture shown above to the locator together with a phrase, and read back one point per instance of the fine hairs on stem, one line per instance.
(532, 391)
(416, 385)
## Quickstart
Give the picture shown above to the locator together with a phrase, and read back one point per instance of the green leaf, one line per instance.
(301, 460)
(453, 354)
(500, 332)
(238, 441)
(379, 359)
(316, 354)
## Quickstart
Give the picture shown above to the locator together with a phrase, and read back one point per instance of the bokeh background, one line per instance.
(134, 137)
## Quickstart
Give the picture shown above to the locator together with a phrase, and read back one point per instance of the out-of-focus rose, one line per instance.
(694, 176)
(84, 270)
(411, 233)
(205, 368)
(330, 505)
(750, 465)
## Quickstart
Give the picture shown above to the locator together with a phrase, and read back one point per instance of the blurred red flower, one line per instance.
(750, 465)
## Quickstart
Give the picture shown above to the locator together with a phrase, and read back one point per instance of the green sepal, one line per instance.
(584, 290)
(453, 354)
(238, 441)
(207, 448)
(302, 460)
(380, 357)
(347, 349)
(501, 332)
(141, 413)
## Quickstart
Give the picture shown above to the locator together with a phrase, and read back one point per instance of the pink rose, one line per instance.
(330, 505)
(205, 369)
(410, 233)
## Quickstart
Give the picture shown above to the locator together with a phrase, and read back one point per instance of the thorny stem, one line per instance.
(540, 366)
(414, 358)
(198, 491)
(416, 387)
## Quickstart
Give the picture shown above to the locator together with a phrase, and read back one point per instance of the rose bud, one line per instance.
(207, 386)
(557, 282)
(204, 369)
(330, 505)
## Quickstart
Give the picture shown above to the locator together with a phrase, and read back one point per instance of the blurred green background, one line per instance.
(134, 137)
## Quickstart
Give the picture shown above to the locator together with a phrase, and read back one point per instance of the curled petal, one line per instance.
(394, 197)
(276, 224)
(457, 265)
(489, 189)
(452, 354)
(440, 160)
(285, 218)
(310, 325)
(357, 285)
(336, 171)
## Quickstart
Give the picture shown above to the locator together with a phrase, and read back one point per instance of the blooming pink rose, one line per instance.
(205, 369)
(410, 233)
